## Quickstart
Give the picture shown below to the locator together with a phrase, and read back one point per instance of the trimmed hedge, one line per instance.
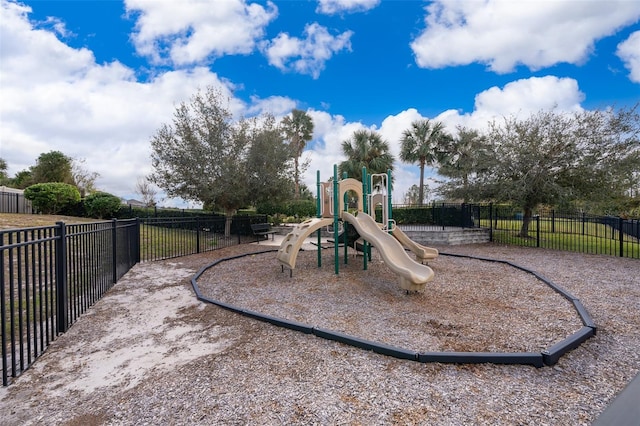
(52, 197)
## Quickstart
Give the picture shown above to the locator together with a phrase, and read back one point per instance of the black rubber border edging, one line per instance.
(548, 357)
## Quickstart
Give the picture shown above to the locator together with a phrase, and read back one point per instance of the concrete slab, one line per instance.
(309, 243)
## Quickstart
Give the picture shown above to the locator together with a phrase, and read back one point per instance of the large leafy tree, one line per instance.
(52, 166)
(268, 163)
(423, 143)
(199, 156)
(298, 130)
(553, 157)
(365, 148)
(21, 180)
(466, 156)
(204, 155)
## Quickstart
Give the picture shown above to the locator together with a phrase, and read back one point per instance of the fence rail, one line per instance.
(437, 215)
(568, 231)
(51, 275)
(165, 238)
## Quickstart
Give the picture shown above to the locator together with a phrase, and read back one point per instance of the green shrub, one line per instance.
(300, 209)
(102, 205)
(52, 197)
(276, 219)
(405, 215)
(245, 212)
(270, 208)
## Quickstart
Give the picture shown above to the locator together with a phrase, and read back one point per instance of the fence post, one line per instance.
(197, 234)
(490, 222)
(3, 318)
(553, 221)
(62, 297)
(114, 250)
(620, 227)
(137, 241)
(538, 231)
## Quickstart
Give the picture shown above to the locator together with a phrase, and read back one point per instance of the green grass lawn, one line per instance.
(565, 234)
(163, 243)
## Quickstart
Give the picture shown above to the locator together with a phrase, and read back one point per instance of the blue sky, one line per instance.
(96, 79)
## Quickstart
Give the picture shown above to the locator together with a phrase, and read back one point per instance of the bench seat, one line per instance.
(262, 231)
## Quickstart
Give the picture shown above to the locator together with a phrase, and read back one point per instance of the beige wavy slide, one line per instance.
(423, 253)
(288, 251)
(413, 275)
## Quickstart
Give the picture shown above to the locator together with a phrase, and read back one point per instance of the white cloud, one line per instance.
(308, 55)
(278, 106)
(504, 34)
(57, 98)
(19, 40)
(629, 52)
(521, 97)
(393, 126)
(192, 31)
(530, 95)
(330, 7)
(58, 26)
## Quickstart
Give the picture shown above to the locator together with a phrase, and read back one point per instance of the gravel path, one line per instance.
(150, 353)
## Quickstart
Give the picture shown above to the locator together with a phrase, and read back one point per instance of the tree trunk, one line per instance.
(421, 190)
(296, 179)
(526, 220)
(465, 185)
(227, 223)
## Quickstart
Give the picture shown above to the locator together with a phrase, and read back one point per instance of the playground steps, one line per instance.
(449, 236)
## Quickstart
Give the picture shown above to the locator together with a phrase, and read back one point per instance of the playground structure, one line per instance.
(335, 199)
(349, 202)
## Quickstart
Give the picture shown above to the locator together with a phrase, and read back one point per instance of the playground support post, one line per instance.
(336, 207)
(345, 236)
(389, 214)
(319, 215)
(365, 208)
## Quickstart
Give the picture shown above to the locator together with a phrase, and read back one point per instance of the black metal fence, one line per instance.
(168, 237)
(568, 231)
(437, 215)
(51, 275)
(14, 202)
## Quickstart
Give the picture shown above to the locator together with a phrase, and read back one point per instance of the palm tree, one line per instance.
(423, 144)
(298, 130)
(365, 148)
(466, 156)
